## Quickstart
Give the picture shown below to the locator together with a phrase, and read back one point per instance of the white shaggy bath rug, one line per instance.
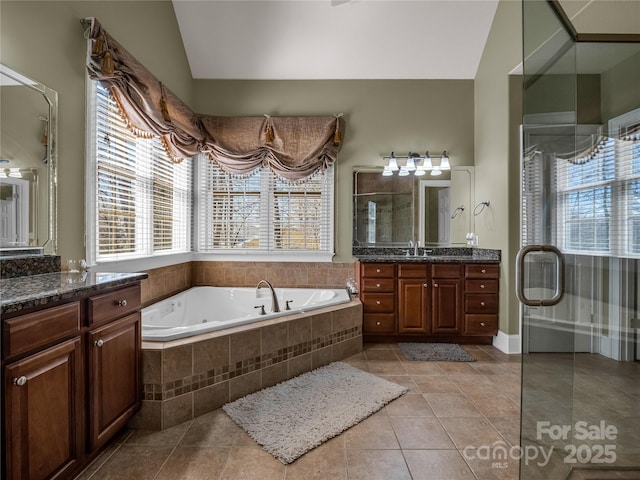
(295, 416)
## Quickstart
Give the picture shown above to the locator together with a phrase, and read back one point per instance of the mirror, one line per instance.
(391, 211)
(27, 164)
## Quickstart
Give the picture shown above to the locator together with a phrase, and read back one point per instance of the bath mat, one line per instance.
(295, 416)
(435, 352)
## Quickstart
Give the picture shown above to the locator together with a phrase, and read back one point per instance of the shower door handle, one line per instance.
(520, 281)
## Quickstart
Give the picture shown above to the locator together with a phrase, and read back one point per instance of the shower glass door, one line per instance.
(578, 268)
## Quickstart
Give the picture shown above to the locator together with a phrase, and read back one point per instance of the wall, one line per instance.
(497, 162)
(620, 88)
(381, 116)
(44, 40)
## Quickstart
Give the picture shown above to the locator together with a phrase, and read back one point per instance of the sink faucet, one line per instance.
(274, 300)
(415, 247)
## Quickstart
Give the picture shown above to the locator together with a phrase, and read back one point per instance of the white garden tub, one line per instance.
(206, 309)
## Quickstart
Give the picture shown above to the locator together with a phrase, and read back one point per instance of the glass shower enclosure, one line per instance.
(579, 266)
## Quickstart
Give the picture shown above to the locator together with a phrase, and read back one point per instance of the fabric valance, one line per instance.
(293, 147)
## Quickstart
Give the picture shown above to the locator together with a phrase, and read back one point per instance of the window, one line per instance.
(141, 199)
(263, 213)
(599, 198)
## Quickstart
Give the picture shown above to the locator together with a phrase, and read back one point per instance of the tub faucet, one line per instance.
(274, 300)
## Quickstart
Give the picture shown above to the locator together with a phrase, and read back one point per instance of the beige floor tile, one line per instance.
(377, 465)
(435, 384)
(471, 431)
(194, 463)
(214, 429)
(423, 368)
(495, 405)
(167, 438)
(437, 464)
(252, 463)
(451, 405)
(374, 432)
(133, 461)
(491, 368)
(404, 380)
(387, 367)
(508, 427)
(327, 461)
(421, 433)
(379, 354)
(457, 368)
(409, 405)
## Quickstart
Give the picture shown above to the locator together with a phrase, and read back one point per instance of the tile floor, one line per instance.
(450, 406)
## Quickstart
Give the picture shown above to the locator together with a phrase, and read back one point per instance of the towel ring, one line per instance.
(482, 206)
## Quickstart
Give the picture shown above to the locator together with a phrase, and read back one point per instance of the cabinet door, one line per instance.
(413, 308)
(446, 297)
(114, 377)
(43, 392)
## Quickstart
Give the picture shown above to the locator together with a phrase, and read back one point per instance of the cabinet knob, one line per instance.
(20, 381)
(121, 303)
(435, 285)
(377, 285)
(377, 270)
(377, 302)
(98, 343)
(482, 303)
(482, 324)
(484, 270)
(425, 285)
(378, 323)
(482, 286)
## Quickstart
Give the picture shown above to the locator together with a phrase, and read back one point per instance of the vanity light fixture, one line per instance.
(15, 172)
(416, 164)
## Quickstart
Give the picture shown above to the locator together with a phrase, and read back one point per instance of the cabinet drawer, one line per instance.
(378, 285)
(28, 332)
(481, 303)
(378, 302)
(408, 270)
(481, 324)
(112, 305)
(481, 286)
(379, 323)
(446, 270)
(481, 270)
(378, 270)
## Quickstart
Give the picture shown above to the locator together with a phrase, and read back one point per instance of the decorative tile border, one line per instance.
(222, 373)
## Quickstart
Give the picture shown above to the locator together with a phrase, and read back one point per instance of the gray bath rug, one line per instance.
(435, 352)
(295, 416)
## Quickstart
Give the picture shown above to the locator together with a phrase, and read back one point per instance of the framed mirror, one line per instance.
(28, 162)
(390, 211)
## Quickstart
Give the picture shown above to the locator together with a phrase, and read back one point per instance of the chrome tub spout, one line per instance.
(274, 300)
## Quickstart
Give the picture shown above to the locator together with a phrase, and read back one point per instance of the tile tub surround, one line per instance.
(186, 378)
(166, 281)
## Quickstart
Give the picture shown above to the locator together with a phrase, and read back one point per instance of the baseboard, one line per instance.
(507, 343)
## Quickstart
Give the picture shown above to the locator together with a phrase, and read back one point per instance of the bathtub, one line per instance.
(206, 309)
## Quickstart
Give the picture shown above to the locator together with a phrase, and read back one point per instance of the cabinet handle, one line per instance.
(482, 303)
(483, 270)
(98, 343)
(121, 303)
(378, 323)
(482, 286)
(20, 381)
(482, 324)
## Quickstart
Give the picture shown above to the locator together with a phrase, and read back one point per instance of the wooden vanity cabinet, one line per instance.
(414, 299)
(446, 295)
(430, 301)
(71, 379)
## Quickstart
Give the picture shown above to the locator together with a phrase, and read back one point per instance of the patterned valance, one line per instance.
(293, 147)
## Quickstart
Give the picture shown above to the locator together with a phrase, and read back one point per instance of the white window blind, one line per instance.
(143, 200)
(599, 196)
(535, 200)
(263, 213)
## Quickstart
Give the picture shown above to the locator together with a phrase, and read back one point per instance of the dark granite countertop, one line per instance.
(431, 255)
(38, 290)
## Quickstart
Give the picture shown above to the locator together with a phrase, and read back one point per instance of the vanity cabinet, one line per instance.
(71, 379)
(429, 301)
